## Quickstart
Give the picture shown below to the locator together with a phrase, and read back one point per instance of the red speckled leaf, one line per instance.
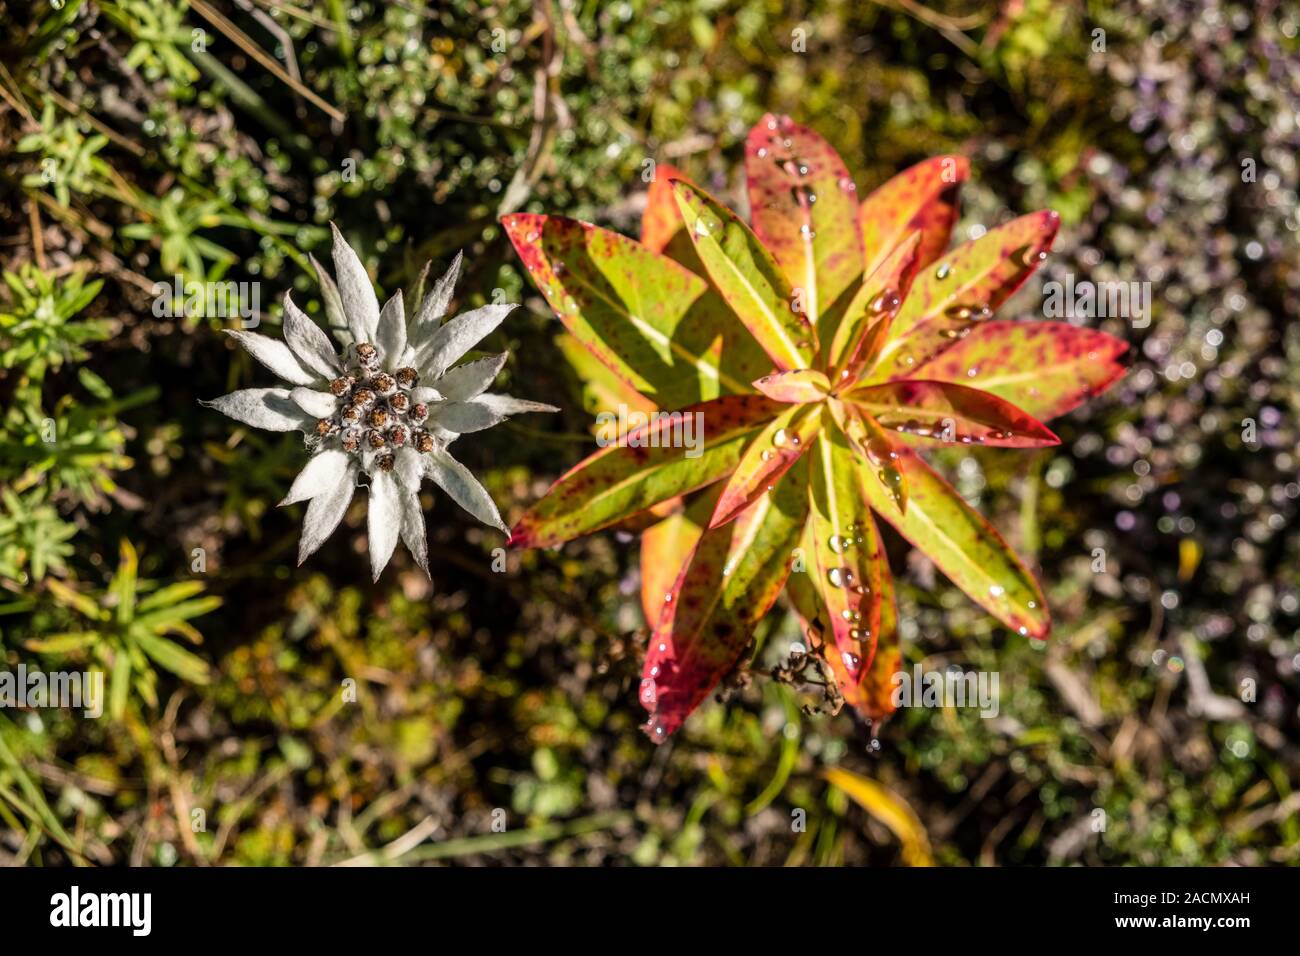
(650, 464)
(863, 331)
(950, 299)
(872, 694)
(804, 207)
(874, 447)
(770, 454)
(661, 219)
(948, 412)
(922, 198)
(667, 546)
(846, 551)
(1044, 368)
(801, 385)
(642, 315)
(734, 576)
(748, 278)
(965, 547)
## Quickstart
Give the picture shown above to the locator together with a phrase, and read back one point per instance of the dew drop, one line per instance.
(997, 590)
(1024, 631)
(943, 271)
(648, 694)
(839, 544)
(779, 438)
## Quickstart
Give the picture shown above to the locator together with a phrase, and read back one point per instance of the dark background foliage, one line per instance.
(135, 148)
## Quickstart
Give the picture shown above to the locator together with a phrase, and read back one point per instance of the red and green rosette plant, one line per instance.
(821, 349)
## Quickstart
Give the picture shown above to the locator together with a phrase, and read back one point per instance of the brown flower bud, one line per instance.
(351, 439)
(326, 426)
(351, 413)
(399, 402)
(422, 441)
(376, 439)
(407, 377)
(397, 435)
(363, 396)
(378, 417)
(386, 462)
(341, 385)
(367, 354)
(384, 384)
(419, 412)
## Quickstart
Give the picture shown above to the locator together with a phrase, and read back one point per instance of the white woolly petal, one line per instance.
(325, 512)
(508, 405)
(459, 482)
(385, 520)
(315, 403)
(334, 312)
(433, 306)
(413, 535)
(308, 342)
(458, 336)
(323, 472)
(357, 294)
(390, 338)
(472, 378)
(269, 408)
(276, 356)
(464, 417)
(426, 394)
(409, 468)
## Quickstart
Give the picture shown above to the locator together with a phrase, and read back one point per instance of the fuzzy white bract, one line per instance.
(387, 408)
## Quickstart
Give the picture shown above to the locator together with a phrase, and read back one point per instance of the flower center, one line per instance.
(376, 412)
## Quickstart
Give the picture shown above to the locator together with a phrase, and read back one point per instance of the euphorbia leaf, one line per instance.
(872, 695)
(864, 329)
(922, 198)
(846, 550)
(801, 385)
(666, 547)
(748, 278)
(804, 208)
(644, 469)
(661, 220)
(770, 454)
(602, 390)
(949, 412)
(965, 547)
(874, 447)
(733, 578)
(1044, 368)
(950, 299)
(639, 312)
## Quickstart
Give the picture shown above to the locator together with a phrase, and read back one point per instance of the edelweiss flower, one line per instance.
(387, 408)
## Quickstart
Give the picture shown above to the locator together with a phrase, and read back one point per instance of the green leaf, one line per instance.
(735, 575)
(963, 289)
(1044, 368)
(748, 278)
(644, 468)
(873, 446)
(948, 412)
(804, 207)
(922, 198)
(646, 318)
(122, 586)
(173, 657)
(965, 547)
(865, 326)
(845, 549)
